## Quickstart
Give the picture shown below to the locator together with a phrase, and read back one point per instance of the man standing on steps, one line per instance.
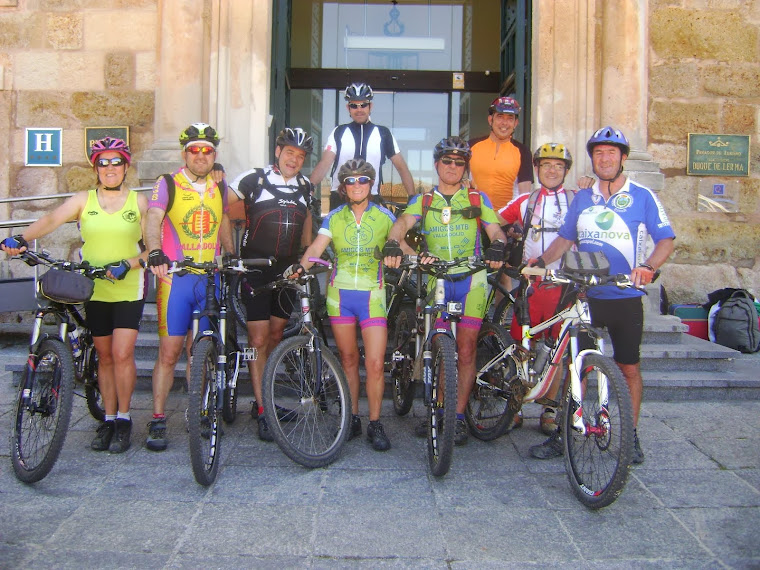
(187, 217)
(360, 138)
(615, 217)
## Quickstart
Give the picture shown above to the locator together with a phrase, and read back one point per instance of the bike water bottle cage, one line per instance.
(586, 263)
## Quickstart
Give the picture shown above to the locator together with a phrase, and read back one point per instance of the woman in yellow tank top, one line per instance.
(111, 223)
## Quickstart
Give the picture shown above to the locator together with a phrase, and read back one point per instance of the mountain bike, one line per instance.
(425, 351)
(303, 378)
(56, 363)
(596, 415)
(216, 361)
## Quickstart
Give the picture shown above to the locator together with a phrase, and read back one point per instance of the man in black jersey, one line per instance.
(360, 139)
(277, 224)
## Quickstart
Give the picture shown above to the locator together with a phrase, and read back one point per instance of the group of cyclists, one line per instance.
(483, 199)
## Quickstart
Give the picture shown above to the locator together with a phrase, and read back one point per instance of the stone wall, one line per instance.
(72, 64)
(704, 77)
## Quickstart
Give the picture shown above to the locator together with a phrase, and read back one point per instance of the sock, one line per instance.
(123, 416)
(110, 418)
(374, 423)
(261, 411)
(159, 416)
(460, 416)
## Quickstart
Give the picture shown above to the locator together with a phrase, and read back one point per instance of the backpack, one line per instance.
(475, 208)
(736, 323)
(171, 189)
(515, 258)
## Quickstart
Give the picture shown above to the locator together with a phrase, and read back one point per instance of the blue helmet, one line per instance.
(608, 135)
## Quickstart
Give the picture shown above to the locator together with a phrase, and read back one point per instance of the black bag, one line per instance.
(735, 324)
(67, 287)
(586, 263)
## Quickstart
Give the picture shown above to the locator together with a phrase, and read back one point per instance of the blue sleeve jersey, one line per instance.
(618, 227)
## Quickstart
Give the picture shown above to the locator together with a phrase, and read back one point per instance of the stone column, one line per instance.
(183, 56)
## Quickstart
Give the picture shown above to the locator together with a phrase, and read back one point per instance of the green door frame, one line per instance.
(279, 89)
(516, 37)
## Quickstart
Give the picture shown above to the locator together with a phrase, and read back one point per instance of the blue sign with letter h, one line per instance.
(43, 147)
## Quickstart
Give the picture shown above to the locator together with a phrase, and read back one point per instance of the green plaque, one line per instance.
(92, 134)
(718, 155)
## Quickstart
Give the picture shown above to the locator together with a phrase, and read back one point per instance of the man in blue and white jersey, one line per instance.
(615, 216)
(360, 138)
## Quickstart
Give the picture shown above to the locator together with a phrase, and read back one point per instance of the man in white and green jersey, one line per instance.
(451, 216)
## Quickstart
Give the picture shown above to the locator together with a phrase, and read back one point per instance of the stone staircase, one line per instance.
(675, 365)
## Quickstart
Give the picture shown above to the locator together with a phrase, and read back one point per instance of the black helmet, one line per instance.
(296, 137)
(356, 167)
(452, 145)
(359, 92)
(199, 132)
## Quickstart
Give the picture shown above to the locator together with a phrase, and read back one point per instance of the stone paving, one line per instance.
(694, 503)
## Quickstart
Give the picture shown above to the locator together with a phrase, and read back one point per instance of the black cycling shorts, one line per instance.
(624, 320)
(273, 303)
(104, 317)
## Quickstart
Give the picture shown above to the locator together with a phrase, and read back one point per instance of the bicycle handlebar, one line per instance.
(620, 280)
(232, 264)
(42, 257)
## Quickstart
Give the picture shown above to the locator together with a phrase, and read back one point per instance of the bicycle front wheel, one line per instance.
(202, 417)
(487, 412)
(306, 401)
(442, 408)
(502, 314)
(598, 461)
(42, 416)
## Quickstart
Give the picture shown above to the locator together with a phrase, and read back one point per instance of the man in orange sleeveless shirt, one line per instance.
(497, 160)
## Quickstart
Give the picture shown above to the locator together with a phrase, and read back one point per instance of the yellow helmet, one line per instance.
(553, 150)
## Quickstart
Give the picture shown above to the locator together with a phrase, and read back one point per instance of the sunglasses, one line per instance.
(116, 161)
(359, 105)
(457, 161)
(351, 180)
(548, 166)
(200, 149)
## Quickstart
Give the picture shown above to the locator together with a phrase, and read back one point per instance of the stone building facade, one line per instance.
(658, 69)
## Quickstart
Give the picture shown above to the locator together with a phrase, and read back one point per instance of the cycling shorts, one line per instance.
(270, 303)
(543, 304)
(104, 317)
(346, 306)
(472, 292)
(176, 299)
(624, 319)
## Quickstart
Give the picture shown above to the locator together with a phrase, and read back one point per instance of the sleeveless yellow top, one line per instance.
(110, 238)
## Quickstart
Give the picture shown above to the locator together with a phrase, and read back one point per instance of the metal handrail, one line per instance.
(4, 224)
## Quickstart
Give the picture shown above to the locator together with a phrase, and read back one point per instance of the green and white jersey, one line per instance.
(354, 242)
(449, 231)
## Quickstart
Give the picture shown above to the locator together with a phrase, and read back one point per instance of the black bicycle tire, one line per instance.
(502, 314)
(441, 427)
(64, 363)
(584, 478)
(92, 394)
(401, 373)
(492, 340)
(205, 447)
(278, 386)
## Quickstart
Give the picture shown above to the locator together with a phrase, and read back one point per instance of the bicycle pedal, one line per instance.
(250, 353)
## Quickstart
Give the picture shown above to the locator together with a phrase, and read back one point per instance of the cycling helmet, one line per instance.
(452, 145)
(296, 137)
(356, 167)
(198, 132)
(553, 150)
(608, 135)
(504, 105)
(108, 143)
(359, 92)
